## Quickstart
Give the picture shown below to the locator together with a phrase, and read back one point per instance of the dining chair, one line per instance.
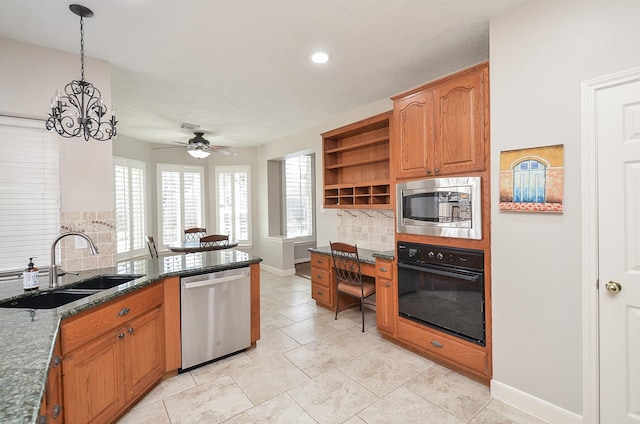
(151, 244)
(214, 240)
(346, 264)
(194, 234)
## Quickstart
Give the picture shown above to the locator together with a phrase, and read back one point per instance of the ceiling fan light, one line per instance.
(198, 153)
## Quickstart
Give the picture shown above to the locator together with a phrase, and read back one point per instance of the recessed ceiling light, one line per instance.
(319, 57)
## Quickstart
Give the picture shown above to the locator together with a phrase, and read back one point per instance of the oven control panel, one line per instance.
(432, 254)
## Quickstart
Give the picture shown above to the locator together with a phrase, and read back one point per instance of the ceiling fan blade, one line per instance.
(223, 150)
(171, 147)
(180, 142)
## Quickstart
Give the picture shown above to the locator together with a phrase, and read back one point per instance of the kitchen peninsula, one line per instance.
(28, 337)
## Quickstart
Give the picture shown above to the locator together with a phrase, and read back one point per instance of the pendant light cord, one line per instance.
(82, 48)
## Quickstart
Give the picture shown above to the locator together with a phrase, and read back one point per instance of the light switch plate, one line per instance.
(81, 243)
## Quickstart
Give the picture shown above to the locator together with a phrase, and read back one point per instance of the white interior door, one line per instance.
(618, 146)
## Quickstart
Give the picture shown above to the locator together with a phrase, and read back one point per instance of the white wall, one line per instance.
(29, 78)
(540, 54)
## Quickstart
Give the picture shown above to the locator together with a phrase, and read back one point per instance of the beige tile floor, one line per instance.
(309, 368)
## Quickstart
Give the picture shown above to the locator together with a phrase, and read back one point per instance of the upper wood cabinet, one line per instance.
(441, 128)
(356, 165)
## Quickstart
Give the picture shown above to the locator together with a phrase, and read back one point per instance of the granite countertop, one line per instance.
(366, 256)
(27, 336)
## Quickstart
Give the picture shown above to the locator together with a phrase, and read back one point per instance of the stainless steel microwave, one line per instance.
(445, 207)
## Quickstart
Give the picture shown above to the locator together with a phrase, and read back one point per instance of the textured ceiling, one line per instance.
(241, 69)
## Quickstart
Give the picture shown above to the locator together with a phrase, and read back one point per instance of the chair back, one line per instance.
(151, 244)
(214, 240)
(346, 263)
(194, 234)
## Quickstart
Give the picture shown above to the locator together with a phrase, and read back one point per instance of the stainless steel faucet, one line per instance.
(53, 271)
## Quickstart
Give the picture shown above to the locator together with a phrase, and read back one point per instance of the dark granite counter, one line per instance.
(367, 256)
(27, 336)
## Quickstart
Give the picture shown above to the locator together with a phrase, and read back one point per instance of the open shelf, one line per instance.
(356, 165)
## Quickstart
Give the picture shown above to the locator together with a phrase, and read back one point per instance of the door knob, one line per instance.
(613, 287)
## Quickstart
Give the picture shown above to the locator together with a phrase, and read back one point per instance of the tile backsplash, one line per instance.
(100, 226)
(369, 229)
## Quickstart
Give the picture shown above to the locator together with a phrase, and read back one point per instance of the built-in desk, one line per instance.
(323, 287)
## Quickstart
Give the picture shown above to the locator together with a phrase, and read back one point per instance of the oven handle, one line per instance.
(463, 275)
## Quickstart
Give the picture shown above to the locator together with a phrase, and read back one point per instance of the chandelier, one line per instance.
(80, 111)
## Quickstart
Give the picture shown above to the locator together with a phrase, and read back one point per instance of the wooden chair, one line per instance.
(194, 234)
(151, 244)
(346, 265)
(214, 240)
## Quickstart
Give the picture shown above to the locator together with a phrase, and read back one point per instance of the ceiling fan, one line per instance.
(199, 147)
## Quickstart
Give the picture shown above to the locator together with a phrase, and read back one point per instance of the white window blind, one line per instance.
(130, 207)
(181, 198)
(29, 193)
(298, 188)
(233, 198)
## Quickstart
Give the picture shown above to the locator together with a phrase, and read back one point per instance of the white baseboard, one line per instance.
(533, 405)
(277, 271)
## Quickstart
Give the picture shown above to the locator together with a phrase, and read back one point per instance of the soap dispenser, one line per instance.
(30, 277)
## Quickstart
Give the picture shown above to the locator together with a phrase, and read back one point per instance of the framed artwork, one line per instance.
(531, 180)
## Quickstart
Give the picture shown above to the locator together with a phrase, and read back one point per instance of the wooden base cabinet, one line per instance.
(321, 280)
(112, 355)
(51, 408)
(386, 295)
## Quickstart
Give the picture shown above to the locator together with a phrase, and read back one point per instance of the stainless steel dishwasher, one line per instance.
(215, 315)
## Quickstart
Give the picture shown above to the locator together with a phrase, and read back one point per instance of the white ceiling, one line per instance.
(241, 68)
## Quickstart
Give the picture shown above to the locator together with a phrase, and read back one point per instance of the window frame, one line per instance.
(130, 164)
(181, 169)
(233, 236)
(284, 225)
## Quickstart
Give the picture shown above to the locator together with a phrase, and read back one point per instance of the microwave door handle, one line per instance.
(467, 277)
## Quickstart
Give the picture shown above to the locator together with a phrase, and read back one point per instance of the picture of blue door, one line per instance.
(529, 179)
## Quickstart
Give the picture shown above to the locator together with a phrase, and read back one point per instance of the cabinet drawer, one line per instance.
(322, 262)
(87, 325)
(321, 293)
(384, 270)
(322, 278)
(450, 350)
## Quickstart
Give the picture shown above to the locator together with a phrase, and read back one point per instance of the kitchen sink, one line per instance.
(104, 282)
(45, 300)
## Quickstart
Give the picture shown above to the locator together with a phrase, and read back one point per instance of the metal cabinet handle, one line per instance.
(320, 293)
(130, 330)
(428, 172)
(437, 170)
(123, 312)
(383, 269)
(56, 411)
(121, 335)
(437, 344)
(388, 285)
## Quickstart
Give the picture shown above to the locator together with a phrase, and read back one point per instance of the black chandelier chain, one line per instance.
(80, 111)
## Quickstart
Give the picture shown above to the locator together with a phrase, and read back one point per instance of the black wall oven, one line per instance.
(443, 287)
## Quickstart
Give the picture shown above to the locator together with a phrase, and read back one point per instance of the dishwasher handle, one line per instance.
(213, 281)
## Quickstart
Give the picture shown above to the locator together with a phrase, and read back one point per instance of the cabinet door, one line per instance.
(51, 407)
(385, 297)
(93, 380)
(460, 107)
(144, 352)
(413, 123)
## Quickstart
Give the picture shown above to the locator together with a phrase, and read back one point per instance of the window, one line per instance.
(298, 196)
(29, 193)
(233, 196)
(130, 207)
(181, 200)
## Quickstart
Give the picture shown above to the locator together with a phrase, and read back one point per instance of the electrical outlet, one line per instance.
(81, 243)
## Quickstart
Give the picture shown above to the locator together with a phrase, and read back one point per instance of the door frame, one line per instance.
(590, 309)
